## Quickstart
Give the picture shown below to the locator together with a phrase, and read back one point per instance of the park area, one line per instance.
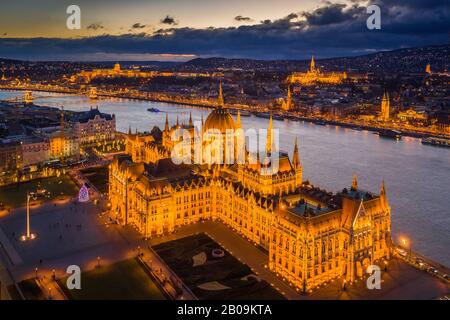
(211, 272)
(41, 190)
(122, 280)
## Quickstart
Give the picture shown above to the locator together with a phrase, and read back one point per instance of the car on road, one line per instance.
(432, 270)
(402, 252)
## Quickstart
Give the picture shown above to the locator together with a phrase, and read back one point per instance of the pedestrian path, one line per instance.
(8, 247)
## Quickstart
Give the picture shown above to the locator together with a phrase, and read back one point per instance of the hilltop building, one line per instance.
(314, 76)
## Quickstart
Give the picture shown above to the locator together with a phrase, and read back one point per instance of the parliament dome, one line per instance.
(220, 119)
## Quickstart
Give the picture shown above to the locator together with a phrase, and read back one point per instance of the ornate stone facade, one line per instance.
(311, 235)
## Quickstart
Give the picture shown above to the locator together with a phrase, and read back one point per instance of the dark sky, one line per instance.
(181, 30)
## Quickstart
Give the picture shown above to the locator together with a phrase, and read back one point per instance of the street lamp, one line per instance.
(407, 245)
(98, 262)
(36, 273)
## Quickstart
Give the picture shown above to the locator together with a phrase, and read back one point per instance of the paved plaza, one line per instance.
(69, 233)
(401, 281)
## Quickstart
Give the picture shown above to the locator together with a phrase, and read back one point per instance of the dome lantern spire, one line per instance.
(238, 120)
(220, 102)
(269, 136)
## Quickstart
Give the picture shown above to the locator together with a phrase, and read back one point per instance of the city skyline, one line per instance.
(177, 31)
(241, 152)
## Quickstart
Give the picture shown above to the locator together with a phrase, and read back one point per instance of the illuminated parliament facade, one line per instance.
(311, 236)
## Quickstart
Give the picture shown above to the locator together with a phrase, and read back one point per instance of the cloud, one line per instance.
(243, 19)
(333, 13)
(95, 26)
(169, 20)
(328, 31)
(138, 26)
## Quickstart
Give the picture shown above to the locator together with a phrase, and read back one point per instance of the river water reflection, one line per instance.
(417, 176)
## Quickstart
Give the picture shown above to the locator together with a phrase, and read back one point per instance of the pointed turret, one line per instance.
(238, 120)
(166, 125)
(220, 102)
(296, 156)
(269, 136)
(191, 124)
(178, 123)
(287, 104)
(129, 130)
(312, 65)
(383, 197)
(355, 183)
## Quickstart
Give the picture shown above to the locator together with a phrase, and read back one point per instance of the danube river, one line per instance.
(417, 176)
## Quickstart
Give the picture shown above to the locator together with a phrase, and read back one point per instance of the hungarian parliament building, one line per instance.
(311, 236)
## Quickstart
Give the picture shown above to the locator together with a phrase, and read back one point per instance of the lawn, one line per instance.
(213, 277)
(122, 280)
(15, 195)
(98, 177)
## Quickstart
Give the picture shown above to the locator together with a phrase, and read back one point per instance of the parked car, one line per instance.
(432, 270)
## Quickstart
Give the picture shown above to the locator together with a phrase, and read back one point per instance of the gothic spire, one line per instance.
(296, 157)
(355, 183)
(190, 119)
(220, 102)
(166, 126)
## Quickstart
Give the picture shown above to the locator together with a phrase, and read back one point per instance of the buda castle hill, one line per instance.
(311, 236)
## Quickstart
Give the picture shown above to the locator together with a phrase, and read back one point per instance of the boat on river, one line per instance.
(390, 134)
(439, 142)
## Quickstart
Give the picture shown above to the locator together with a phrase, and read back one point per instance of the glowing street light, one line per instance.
(28, 235)
(407, 245)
